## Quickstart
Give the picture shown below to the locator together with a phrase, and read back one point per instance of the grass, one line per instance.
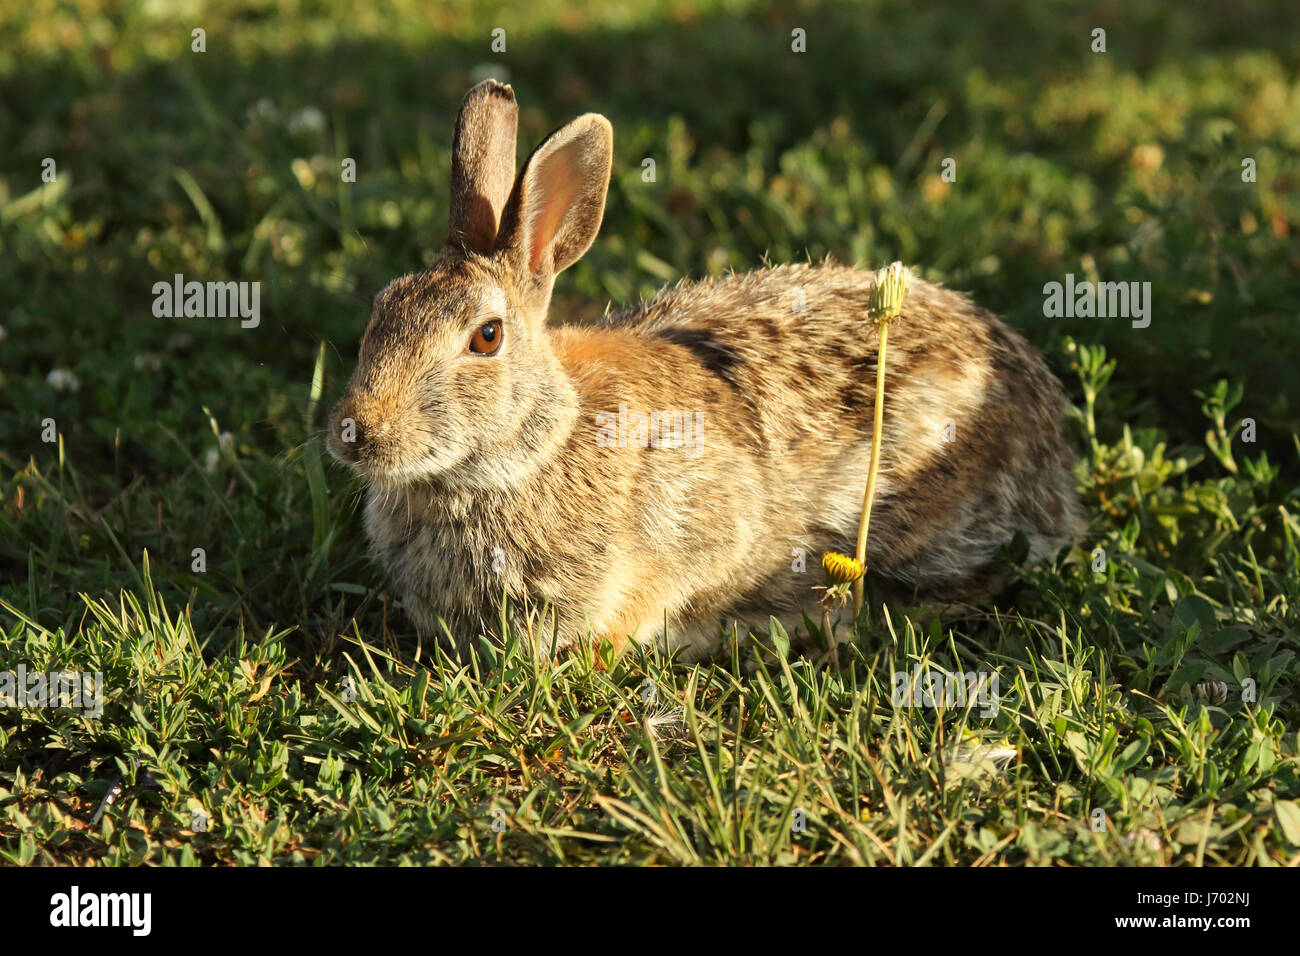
(1150, 675)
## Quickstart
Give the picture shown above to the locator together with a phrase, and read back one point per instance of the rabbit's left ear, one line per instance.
(555, 209)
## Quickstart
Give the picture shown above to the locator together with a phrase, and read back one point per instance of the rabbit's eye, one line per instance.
(487, 338)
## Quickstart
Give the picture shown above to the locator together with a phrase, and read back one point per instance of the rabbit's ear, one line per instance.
(555, 210)
(482, 165)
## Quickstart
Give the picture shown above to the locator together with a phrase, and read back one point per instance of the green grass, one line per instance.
(282, 693)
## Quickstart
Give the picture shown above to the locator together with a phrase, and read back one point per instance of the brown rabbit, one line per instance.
(657, 476)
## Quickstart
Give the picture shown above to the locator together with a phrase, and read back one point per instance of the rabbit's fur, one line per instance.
(511, 474)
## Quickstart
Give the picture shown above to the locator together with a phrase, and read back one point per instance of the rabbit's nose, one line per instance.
(347, 440)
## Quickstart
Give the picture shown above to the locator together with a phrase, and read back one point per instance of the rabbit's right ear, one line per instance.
(482, 165)
(555, 210)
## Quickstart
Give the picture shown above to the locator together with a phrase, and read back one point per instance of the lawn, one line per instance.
(169, 520)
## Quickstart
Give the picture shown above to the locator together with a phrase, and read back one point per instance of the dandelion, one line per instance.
(885, 306)
(972, 753)
(666, 722)
(842, 569)
(841, 573)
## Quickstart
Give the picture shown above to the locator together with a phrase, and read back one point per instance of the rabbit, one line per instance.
(655, 477)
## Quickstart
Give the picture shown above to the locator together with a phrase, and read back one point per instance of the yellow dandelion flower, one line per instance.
(842, 569)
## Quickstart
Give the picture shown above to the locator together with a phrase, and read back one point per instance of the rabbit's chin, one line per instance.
(406, 473)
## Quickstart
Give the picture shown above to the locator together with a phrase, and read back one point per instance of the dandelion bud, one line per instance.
(886, 302)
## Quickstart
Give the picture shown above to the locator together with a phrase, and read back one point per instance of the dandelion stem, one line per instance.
(830, 637)
(864, 522)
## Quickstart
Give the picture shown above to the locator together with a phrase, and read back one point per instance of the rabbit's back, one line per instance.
(973, 445)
